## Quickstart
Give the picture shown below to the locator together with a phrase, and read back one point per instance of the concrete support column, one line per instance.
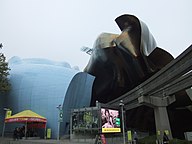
(162, 122)
(159, 105)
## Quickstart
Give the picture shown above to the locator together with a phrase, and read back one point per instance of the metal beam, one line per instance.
(179, 84)
(171, 73)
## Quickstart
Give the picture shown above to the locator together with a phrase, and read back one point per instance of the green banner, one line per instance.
(167, 132)
(8, 113)
(48, 133)
(129, 135)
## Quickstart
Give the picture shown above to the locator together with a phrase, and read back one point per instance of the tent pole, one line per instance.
(45, 131)
(3, 129)
(26, 130)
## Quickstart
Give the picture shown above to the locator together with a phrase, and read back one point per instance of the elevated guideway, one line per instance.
(158, 91)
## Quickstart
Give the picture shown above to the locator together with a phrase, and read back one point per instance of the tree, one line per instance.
(4, 72)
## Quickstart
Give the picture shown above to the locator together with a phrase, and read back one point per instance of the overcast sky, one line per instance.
(57, 29)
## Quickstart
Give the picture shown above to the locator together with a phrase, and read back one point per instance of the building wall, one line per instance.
(78, 95)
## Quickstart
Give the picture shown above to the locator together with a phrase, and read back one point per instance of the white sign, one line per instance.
(188, 136)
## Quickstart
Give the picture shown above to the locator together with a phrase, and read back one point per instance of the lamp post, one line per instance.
(60, 119)
(5, 109)
(122, 117)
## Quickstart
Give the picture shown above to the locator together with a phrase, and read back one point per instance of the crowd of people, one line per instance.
(19, 133)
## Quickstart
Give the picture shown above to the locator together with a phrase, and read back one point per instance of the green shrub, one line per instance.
(148, 140)
(152, 140)
(178, 141)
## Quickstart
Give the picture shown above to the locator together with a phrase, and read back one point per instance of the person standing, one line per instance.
(16, 133)
(165, 138)
(135, 137)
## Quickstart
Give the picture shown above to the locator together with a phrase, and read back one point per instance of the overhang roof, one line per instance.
(26, 116)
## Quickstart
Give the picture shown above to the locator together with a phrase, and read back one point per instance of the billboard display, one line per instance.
(85, 120)
(110, 120)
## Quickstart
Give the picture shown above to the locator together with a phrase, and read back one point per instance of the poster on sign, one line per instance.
(110, 120)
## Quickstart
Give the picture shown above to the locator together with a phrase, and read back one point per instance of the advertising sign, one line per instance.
(129, 135)
(188, 136)
(60, 115)
(8, 113)
(110, 120)
(48, 133)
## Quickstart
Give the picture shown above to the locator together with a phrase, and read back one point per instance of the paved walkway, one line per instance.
(41, 141)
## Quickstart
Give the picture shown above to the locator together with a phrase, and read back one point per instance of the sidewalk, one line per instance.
(40, 141)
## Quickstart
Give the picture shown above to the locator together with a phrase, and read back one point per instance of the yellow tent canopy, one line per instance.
(30, 118)
(26, 116)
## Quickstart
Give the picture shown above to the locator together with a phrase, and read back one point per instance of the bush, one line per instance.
(148, 140)
(152, 140)
(178, 141)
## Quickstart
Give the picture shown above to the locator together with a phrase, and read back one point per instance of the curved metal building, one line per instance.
(120, 62)
(41, 85)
